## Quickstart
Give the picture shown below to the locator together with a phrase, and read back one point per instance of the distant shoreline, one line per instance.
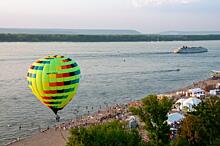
(7, 37)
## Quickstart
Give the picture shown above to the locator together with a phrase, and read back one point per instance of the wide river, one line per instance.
(110, 73)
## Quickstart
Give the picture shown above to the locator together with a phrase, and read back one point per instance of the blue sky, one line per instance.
(147, 16)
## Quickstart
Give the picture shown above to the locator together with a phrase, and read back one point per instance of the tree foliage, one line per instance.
(209, 112)
(180, 141)
(110, 134)
(194, 131)
(154, 114)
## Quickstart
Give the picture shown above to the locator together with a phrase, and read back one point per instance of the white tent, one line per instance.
(132, 122)
(189, 103)
(175, 117)
(193, 101)
(180, 100)
(131, 118)
(179, 103)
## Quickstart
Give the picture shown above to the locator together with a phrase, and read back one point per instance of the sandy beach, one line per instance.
(49, 137)
(58, 135)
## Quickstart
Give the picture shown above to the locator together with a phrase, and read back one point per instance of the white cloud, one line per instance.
(141, 3)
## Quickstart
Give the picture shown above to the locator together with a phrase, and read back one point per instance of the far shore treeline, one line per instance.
(102, 38)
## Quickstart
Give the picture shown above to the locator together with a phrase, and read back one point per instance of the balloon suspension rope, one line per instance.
(57, 117)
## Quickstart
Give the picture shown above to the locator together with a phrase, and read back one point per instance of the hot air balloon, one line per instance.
(54, 81)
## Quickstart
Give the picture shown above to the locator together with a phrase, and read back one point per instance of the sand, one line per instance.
(50, 137)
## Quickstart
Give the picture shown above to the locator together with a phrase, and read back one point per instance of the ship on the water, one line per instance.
(186, 50)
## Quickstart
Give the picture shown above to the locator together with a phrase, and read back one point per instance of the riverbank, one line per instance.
(58, 135)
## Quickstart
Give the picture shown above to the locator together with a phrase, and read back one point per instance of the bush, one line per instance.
(110, 134)
(180, 141)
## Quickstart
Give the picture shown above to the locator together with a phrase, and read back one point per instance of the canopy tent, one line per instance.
(131, 118)
(193, 101)
(175, 117)
(179, 103)
(132, 122)
(180, 100)
(189, 103)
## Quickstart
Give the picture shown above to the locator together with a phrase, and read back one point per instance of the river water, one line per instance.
(110, 73)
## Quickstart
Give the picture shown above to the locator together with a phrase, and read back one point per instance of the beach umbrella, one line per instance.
(54, 81)
(174, 117)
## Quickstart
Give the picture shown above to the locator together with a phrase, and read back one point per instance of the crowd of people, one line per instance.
(118, 111)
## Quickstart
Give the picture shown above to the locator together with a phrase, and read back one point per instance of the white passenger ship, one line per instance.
(186, 49)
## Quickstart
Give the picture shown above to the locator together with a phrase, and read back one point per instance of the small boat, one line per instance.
(186, 49)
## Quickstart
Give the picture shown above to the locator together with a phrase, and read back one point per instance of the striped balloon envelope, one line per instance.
(54, 81)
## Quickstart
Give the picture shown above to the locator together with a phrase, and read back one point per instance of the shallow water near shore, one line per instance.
(111, 73)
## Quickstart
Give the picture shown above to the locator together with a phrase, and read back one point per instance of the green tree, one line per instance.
(180, 141)
(193, 130)
(209, 113)
(154, 115)
(113, 133)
